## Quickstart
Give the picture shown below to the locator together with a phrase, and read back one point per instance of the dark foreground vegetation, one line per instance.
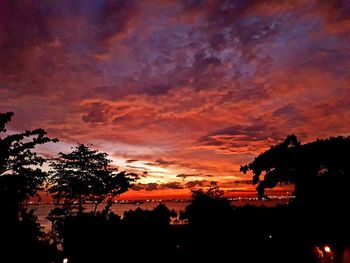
(315, 227)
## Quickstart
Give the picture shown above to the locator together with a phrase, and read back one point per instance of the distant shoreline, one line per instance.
(127, 201)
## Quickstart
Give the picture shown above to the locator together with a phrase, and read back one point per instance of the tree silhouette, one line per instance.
(21, 175)
(86, 175)
(277, 164)
(207, 206)
(98, 238)
(319, 169)
(209, 215)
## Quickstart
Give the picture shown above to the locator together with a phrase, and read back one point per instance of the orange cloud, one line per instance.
(172, 88)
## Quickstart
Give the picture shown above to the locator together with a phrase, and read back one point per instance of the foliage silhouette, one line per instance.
(86, 175)
(141, 235)
(21, 177)
(210, 205)
(320, 170)
(20, 174)
(217, 231)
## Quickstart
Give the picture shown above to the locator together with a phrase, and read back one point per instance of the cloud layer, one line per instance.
(177, 90)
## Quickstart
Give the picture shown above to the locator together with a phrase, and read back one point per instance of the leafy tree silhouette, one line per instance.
(207, 206)
(150, 233)
(21, 177)
(141, 235)
(209, 215)
(319, 169)
(86, 175)
(278, 164)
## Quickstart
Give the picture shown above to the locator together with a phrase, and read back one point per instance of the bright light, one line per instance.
(65, 260)
(327, 249)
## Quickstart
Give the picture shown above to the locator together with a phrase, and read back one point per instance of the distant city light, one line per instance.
(327, 249)
(65, 260)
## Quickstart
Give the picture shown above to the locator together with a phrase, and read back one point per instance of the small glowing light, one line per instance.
(65, 260)
(270, 236)
(327, 249)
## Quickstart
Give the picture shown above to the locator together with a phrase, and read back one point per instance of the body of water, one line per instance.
(42, 211)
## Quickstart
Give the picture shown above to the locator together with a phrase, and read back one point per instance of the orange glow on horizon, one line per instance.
(182, 94)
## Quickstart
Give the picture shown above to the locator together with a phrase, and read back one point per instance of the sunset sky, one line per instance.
(180, 91)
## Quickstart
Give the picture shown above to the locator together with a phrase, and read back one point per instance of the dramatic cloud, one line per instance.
(161, 162)
(187, 175)
(95, 114)
(177, 90)
(240, 138)
(151, 186)
(173, 185)
(243, 181)
(131, 161)
(156, 186)
(201, 183)
(193, 175)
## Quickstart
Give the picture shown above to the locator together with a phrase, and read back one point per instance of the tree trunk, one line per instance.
(106, 210)
(96, 205)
